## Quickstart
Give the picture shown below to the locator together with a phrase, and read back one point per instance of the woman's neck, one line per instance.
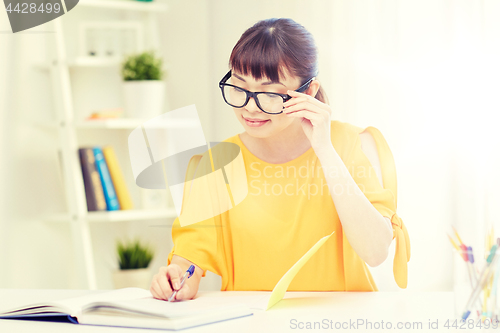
(280, 148)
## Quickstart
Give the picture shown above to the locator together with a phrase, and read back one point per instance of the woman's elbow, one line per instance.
(378, 257)
(375, 261)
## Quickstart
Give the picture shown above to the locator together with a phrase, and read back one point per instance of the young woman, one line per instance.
(307, 176)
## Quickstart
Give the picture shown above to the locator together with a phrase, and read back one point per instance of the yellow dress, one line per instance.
(287, 210)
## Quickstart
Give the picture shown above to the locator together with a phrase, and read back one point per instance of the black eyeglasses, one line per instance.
(268, 102)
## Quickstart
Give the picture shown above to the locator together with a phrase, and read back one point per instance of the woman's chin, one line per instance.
(257, 132)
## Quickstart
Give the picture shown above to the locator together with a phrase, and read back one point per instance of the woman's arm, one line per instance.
(368, 232)
(169, 277)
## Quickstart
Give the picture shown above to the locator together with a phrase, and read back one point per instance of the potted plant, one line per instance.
(133, 260)
(143, 87)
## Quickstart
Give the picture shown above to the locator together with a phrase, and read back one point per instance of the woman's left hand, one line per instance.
(316, 118)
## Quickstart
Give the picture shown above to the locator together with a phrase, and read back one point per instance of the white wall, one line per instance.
(35, 254)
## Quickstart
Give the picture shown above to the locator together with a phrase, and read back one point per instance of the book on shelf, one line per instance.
(91, 181)
(105, 187)
(115, 171)
(132, 307)
(107, 183)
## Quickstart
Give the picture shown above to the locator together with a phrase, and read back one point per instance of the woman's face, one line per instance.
(265, 125)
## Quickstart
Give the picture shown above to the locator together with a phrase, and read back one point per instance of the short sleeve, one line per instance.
(365, 175)
(384, 199)
(198, 242)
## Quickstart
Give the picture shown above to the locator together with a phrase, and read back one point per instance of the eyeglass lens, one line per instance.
(270, 103)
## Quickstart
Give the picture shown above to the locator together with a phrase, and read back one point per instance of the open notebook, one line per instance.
(132, 307)
(136, 307)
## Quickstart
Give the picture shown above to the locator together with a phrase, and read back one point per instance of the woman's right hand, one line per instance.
(168, 279)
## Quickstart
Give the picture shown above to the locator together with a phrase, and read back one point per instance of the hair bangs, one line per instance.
(260, 56)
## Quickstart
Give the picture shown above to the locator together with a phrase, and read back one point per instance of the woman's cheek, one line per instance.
(283, 121)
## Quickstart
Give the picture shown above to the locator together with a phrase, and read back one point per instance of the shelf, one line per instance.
(96, 62)
(84, 62)
(131, 123)
(153, 6)
(120, 215)
(131, 215)
(121, 123)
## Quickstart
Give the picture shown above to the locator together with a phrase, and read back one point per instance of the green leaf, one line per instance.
(133, 255)
(142, 66)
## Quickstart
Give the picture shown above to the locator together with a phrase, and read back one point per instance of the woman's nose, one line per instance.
(252, 106)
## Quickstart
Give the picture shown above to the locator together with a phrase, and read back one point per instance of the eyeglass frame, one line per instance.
(249, 94)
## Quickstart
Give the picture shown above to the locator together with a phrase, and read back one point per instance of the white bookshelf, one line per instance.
(119, 215)
(83, 62)
(119, 123)
(68, 125)
(131, 123)
(95, 62)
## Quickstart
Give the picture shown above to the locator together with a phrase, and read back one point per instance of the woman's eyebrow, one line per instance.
(238, 77)
(270, 82)
(264, 83)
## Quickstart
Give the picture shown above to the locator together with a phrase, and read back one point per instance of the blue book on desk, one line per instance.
(107, 183)
(131, 307)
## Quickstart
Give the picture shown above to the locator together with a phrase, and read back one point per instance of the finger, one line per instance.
(305, 114)
(310, 98)
(164, 284)
(319, 107)
(322, 113)
(304, 106)
(295, 100)
(174, 273)
(152, 288)
(183, 293)
(313, 117)
(156, 290)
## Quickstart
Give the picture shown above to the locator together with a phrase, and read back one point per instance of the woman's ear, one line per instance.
(313, 88)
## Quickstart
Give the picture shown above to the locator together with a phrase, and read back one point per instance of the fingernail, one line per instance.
(176, 286)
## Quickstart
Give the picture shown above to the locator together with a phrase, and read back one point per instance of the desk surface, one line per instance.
(296, 312)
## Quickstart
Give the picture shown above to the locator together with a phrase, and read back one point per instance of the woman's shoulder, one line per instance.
(344, 137)
(342, 129)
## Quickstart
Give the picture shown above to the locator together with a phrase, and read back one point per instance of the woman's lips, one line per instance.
(255, 123)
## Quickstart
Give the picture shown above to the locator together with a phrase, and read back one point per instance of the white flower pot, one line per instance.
(125, 278)
(143, 99)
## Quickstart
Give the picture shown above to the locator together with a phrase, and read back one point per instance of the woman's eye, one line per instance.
(272, 96)
(238, 89)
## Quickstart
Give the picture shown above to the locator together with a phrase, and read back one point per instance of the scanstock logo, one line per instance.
(27, 14)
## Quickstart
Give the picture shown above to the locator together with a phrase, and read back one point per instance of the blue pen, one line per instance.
(186, 276)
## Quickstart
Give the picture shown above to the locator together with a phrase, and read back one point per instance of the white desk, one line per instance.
(289, 315)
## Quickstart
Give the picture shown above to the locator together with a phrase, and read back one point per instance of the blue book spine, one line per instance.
(107, 183)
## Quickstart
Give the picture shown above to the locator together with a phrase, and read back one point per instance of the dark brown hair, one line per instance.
(273, 46)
